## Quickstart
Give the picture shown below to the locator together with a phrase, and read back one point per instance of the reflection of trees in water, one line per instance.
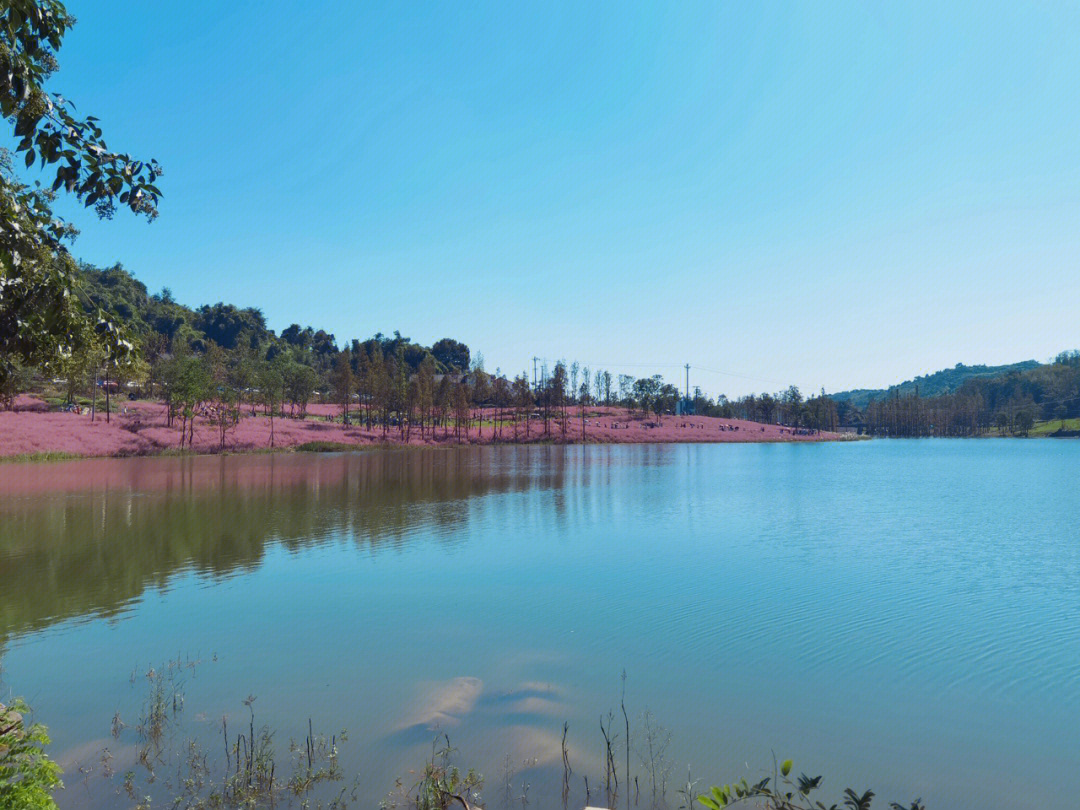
(93, 550)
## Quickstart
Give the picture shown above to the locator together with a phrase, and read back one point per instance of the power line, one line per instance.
(736, 374)
(681, 366)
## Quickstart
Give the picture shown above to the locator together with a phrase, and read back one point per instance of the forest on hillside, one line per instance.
(936, 384)
(226, 356)
(1006, 403)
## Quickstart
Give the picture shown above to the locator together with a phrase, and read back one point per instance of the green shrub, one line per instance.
(325, 447)
(27, 775)
(789, 794)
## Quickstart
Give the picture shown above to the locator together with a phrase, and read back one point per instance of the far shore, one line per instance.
(140, 428)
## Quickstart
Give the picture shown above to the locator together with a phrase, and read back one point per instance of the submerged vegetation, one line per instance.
(441, 784)
(190, 773)
(244, 768)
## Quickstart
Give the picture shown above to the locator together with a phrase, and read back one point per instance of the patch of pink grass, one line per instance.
(141, 429)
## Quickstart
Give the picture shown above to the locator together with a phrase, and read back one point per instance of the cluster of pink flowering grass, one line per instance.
(141, 428)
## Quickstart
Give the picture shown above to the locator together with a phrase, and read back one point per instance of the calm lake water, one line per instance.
(901, 615)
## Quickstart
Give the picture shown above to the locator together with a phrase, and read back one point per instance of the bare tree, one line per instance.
(583, 399)
(523, 403)
(344, 382)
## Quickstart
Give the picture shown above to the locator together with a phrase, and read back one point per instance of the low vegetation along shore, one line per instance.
(35, 429)
(160, 760)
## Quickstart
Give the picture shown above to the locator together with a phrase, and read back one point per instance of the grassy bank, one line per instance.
(45, 455)
(1056, 426)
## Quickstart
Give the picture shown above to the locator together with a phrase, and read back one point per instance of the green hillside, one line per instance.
(941, 382)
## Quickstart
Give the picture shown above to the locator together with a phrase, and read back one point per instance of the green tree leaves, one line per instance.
(31, 32)
(38, 301)
(27, 775)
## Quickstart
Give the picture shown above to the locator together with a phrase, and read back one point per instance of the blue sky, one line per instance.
(835, 195)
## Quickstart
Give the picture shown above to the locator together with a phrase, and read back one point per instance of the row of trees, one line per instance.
(215, 359)
(789, 407)
(1012, 403)
(379, 393)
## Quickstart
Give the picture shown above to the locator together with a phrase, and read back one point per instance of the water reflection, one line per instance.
(867, 608)
(86, 538)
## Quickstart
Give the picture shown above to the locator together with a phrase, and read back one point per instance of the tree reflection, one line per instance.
(86, 538)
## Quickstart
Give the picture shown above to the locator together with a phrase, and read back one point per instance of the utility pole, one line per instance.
(534, 372)
(688, 383)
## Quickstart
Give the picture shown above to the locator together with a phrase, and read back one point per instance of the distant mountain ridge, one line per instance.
(931, 385)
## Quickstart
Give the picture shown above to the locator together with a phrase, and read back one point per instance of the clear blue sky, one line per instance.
(838, 195)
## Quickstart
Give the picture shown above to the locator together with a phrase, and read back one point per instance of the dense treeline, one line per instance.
(219, 361)
(1009, 403)
(945, 381)
(788, 407)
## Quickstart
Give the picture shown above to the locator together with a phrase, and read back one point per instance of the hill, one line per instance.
(946, 381)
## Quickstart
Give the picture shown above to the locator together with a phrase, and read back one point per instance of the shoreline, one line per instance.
(33, 433)
(55, 457)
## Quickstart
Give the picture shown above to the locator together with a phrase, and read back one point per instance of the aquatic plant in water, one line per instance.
(782, 792)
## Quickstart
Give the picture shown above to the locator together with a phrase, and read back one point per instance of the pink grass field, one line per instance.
(32, 429)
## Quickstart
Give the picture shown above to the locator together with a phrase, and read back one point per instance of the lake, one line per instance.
(901, 615)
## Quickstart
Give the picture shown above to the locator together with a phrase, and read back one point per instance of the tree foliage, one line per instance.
(451, 354)
(39, 311)
(27, 775)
